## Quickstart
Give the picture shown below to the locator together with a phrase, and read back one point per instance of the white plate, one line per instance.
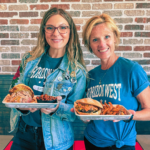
(29, 105)
(104, 117)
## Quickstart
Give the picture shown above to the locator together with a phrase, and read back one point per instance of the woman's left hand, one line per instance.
(131, 111)
(51, 110)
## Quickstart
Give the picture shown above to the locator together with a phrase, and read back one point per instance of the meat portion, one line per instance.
(46, 97)
(86, 108)
(21, 97)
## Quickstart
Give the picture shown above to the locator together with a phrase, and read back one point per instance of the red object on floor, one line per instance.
(8, 146)
(138, 146)
(79, 145)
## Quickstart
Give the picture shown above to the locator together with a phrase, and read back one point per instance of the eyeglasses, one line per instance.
(61, 29)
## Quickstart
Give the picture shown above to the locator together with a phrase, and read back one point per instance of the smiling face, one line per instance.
(102, 41)
(56, 40)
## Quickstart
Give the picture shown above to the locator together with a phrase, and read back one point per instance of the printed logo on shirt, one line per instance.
(41, 73)
(38, 88)
(105, 90)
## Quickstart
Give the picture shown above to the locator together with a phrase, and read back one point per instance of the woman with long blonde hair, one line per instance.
(54, 67)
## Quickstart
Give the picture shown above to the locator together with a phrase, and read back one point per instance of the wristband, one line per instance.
(129, 119)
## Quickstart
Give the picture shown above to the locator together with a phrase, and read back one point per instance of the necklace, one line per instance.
(100, 81)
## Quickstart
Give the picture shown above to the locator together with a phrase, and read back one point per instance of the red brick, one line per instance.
(142, 20)
(70, 0)
(62, 6)
(81, 7)
(126, 34)
(9, 42)
(49, 0)
(34, 35)
(4, 35)
(136, 12)
(142, 34)
(143, 62)
(3, 21)
(95, 62)
(124, 48)
(134, 0)
(87, 62)
(18, 8)
(113, 0)
(146, 54)
(142, 48)
(16, 62)
(8, 1)
(9, 69)
(3, 7)
(142, 5)
(134, 27)
(39, 7)
(36, 21)
(78, 27)
(8, 14)
(19, 21)
(28, 14)
(80, 20)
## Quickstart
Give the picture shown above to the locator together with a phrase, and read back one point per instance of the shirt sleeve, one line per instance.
(139, 79)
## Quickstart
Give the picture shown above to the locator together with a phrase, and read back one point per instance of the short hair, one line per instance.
(92, 22)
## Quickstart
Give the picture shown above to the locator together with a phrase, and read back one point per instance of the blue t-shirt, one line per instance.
(37, 81)
(120, 85)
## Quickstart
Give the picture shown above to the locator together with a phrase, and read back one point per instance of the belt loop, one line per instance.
(35, 129)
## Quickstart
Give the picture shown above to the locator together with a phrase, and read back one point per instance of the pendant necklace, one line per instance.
(100, 81)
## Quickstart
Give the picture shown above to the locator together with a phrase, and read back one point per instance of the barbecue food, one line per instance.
(20, 88)
(20, 94)
(88, 106)
(46, 99)
(110, 109)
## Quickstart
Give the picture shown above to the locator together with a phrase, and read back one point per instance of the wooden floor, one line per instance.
(144, 140)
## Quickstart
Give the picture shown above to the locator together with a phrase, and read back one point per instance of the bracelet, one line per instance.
(129, 119)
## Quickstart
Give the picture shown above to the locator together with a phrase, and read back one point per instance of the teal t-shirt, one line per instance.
(37, 81)
(120, 85)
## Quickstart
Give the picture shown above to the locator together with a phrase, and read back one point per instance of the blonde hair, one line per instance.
(92, 22)
(73, 48)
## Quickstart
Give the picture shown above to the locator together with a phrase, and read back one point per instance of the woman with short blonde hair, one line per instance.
(117, 80)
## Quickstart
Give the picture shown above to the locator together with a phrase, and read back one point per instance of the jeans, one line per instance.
(90, 146)
(29, 138)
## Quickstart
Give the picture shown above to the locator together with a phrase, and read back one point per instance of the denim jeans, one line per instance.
(29, 138)
(90, 146)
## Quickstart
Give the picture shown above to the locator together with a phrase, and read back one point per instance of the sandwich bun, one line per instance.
(88, 101)
(21, 87)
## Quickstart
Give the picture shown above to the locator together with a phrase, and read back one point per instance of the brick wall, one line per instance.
(20, 21)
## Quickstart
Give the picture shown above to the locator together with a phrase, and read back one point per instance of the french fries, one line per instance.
(110, 109)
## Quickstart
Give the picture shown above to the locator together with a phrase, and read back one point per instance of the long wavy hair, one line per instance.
(73, 49)
(92, 22)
